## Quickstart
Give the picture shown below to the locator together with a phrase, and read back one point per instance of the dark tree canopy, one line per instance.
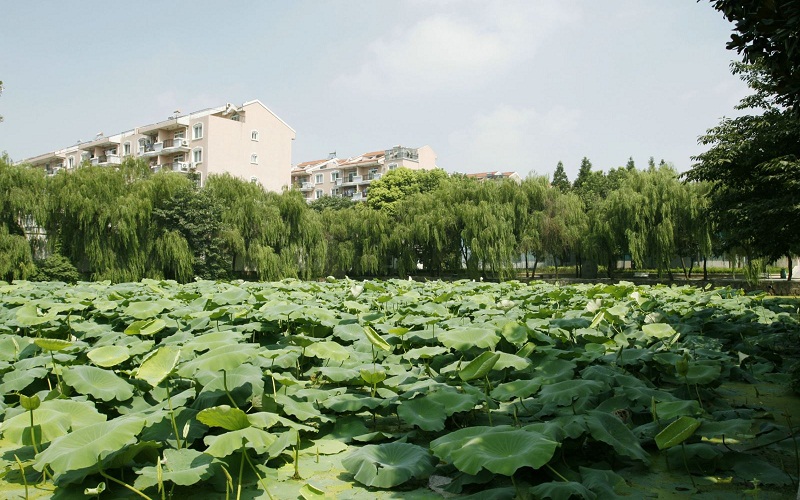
(766, 33)
(560, 179)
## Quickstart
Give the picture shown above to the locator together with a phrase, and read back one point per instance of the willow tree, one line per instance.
(426, 231)
(302, 247)
(529, 239)
(21, 193)
(562, 224)
(340, 254)
(99, 218)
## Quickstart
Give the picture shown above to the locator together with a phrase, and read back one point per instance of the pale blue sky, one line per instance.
(512, 85)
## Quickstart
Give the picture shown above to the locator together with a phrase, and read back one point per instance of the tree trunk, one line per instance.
(705, 268)
(526, 265)
(535, 263)
(683, 266)
(789, 270)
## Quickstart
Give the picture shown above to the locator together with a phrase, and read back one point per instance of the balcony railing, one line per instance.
(106, 160)
(306, 186)
(359, 196)
(175, 166)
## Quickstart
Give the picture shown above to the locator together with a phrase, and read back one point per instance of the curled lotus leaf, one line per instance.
(388, 465)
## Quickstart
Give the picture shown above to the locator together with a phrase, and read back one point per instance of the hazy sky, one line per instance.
(511, 85)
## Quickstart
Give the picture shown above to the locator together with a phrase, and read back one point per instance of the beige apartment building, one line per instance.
(351, 177)
(248, 141)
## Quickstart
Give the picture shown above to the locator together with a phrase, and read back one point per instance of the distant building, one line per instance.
(351, 177)
(247, 141)
(484, 176)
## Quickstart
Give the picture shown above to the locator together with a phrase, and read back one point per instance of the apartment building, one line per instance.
(248, 141)
(487, 176)
(352, 176)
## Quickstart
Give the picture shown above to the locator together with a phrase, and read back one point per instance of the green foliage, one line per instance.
(328, 202)
(56, 267)
(560, 180)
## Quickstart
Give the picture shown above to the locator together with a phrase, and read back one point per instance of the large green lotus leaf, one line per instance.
(452, 400)
(479, 367)
(731, 429)
(302, 410)
(144, 310)
(376, 340)
(515, 333)
(550, 370)
(504, 452)
(54, 418)
(559, 490)
(12, 346)
(52, 344)
(511, 361)
(661, 331)
(183, 467)
(230, 442)
(463, 338)
(373, 374)
(564, 393)
(82, 448)
(351, 402)
(233, 295)
(221, 358)
(328, 350)
(667, 410)
(282, 441)
(18, 380)
(210, 341)
(703, 372)
(230, 419)
(443, 446)
(677, 432)
(516, 389)
(605, 483)
(424, 352)
(109, 355)
(348, 332)
(388, 465)
(426, 414)
(244, 382)
(29, 315)
(97, 382)
(609, 429)
(158, 365)
(337, 374)
(146, 327)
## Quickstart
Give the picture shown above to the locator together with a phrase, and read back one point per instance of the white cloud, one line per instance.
(459, 44)
(509, 138)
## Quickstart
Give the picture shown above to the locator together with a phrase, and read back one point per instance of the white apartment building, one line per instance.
(248, 141)
(351, 177)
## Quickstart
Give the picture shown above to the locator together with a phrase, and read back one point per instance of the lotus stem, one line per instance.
(33, 434)
(556, 473)
(172, 416)
(241, 472)
(260, 479)
(686, 464)
(225, 386)
(123, 484)
(22, 473)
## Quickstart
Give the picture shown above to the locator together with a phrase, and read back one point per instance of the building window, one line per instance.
(254, 159)
(197, 131)
(318, 179)
(197, 155)
(254, 135)
(180, 134)
(318, 194)
(254, 179)
(392, 166)
(235, 117)
(126, 148)
(334, 176)
(85, 156)
(71, 162)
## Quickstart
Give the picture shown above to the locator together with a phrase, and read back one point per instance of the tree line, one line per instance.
(126, 224)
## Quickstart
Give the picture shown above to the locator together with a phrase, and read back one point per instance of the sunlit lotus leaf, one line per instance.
(337, 374)
(426, 352)
(444, 446)
(282, 441)
(325, 447)
(233, 295)
(29, 315)
(677, 432)
(503, 452)
(376, 340)
(348, 332)
(351, 403)
(144, 310)
(310, 492)
(98, 382)
(158, 365)
(463, 338)
(388, 465)
(250, 437)
(52, 344)
(511, 361)
(220, 358)
(54, 418)
(479, 367)
(19, 379)
(565, 392)
(230, 419)
(302, 410)
(661, 331)
(244, 382)
(731, 429)
(146, 327)
(328, 350)
(373, 374)
(108, 355)
(29, 403)
(183, 467)
(515, 333)
(426, 414)
(609, 429)
(81, 449)
(517, 389)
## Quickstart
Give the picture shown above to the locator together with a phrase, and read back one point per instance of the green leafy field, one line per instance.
(395, 389)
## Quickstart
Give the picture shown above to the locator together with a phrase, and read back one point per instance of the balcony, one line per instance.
(353, 180)
(175, 166)
(175, 145)
(338, 181)
(105, 160)
(359, 196)
(306, 186)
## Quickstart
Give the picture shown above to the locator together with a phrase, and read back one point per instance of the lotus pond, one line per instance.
(395, 389)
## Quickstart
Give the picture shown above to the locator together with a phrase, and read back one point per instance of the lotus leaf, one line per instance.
(328, 350)
(517, 389)
(158, 365)
(609, 429)
(52, 344)
(388, 465)
(309, 492)
(503, 452)
(373, 374)
(302, 410)
(183, 467)
(19, 379)
(98, 382)
(351, 403)
(670, 409)
(376, 340)
(452, 400)
(562, 490)
(146, 327)
(463, 338)
(232, 441)
(443, 446)
(230, 419)
(677, 432)
(424, 352)
(423, 412)
(144, 310)
(480, 366)
(54, 418)
(565, 392)
(225, 357)
(108, 355)
(82, 448)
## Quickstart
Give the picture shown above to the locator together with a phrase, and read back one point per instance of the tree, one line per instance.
(328, 202)
(560, 179)
(385, 192)
(765, 33)
(562, 223)
(753, 165)
(630, 165)
(584, 172)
